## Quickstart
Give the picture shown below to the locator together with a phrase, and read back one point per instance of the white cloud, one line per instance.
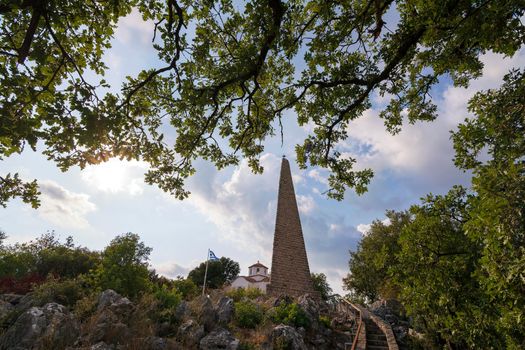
(317, 176)
(423, 150)
(63, 207)
(133, 27)
(242, 206)
(306, 204)
(171, 269)
(116, 176)
(363, 228)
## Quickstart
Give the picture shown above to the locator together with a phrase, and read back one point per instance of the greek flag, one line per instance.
(212, 256)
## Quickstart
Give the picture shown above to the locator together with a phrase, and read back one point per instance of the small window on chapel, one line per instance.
(257, 269)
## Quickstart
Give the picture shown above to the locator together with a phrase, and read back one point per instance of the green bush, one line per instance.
(166, 300)
(247, 314)
(325, 321)
(86, 306)
(289, 314)
(186, 288)
(124, 266)
(66, 292)
(241, 293)
(252, 293)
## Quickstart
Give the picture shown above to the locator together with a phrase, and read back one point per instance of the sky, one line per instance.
(232, 211)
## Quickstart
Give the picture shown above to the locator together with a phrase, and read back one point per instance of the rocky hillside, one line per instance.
(111, 321)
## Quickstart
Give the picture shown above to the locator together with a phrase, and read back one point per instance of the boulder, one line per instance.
(11, 298)
(225, 310)
(156, 343)
(286, 337)
(182, 311)
(219, 339)
(190, 333)
(102, 346)
(205, 313)
(111, 320)
(5, 309)
(119, 305)
(311, 309)
(51, 326)
(283, 299)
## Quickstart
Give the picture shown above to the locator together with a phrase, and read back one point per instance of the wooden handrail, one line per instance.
(360, 318)
(360, 324)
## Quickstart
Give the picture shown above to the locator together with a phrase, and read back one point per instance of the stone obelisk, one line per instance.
(290, 273)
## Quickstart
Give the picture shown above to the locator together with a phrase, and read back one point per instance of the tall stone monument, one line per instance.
(290, 273)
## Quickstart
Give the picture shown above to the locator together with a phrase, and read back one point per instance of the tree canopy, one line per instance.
(321, 285)
(458, 260)
(221, 271)
(231, 72)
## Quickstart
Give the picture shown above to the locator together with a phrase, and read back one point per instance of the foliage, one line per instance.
(230, 74)
(66, 292)
(185, 287)
(124, 266)
(290, 314)
(86, 306)
(27, 263)
(369, 276)
(321, 285)
(435, 273)
(325, 321)
(220, 272)
(247, 314)
(498, 210)
(461, 260)
(168, 299)
(238, 294)
(20, 285)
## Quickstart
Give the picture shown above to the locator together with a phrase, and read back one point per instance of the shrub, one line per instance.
(289, 314)
(124, 266)
(66, 292)
(167, 299)
(325, 321)
(236, 294)
(252, 293)
(186, 288)
(241, 293)
(86, 306)
(247, 314)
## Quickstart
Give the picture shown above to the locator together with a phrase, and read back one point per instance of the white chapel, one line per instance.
(258, 277)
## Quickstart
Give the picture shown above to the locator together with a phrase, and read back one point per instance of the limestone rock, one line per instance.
(225, 310)
(286, 337)
(182, 310)
(219, 339)
(311, 308)
(110, 322)
(11, 298)
(190, 333)
(205, 313)
(102, 346)
(5, 309)
(119, 305)
(50, 326)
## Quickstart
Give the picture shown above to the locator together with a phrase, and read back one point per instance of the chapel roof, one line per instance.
(258, 264)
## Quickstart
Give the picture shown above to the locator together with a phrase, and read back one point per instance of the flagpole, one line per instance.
(206, 272)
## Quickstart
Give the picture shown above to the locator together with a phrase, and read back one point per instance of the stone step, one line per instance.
(375, 347)
(376, 336)
(376, 342)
